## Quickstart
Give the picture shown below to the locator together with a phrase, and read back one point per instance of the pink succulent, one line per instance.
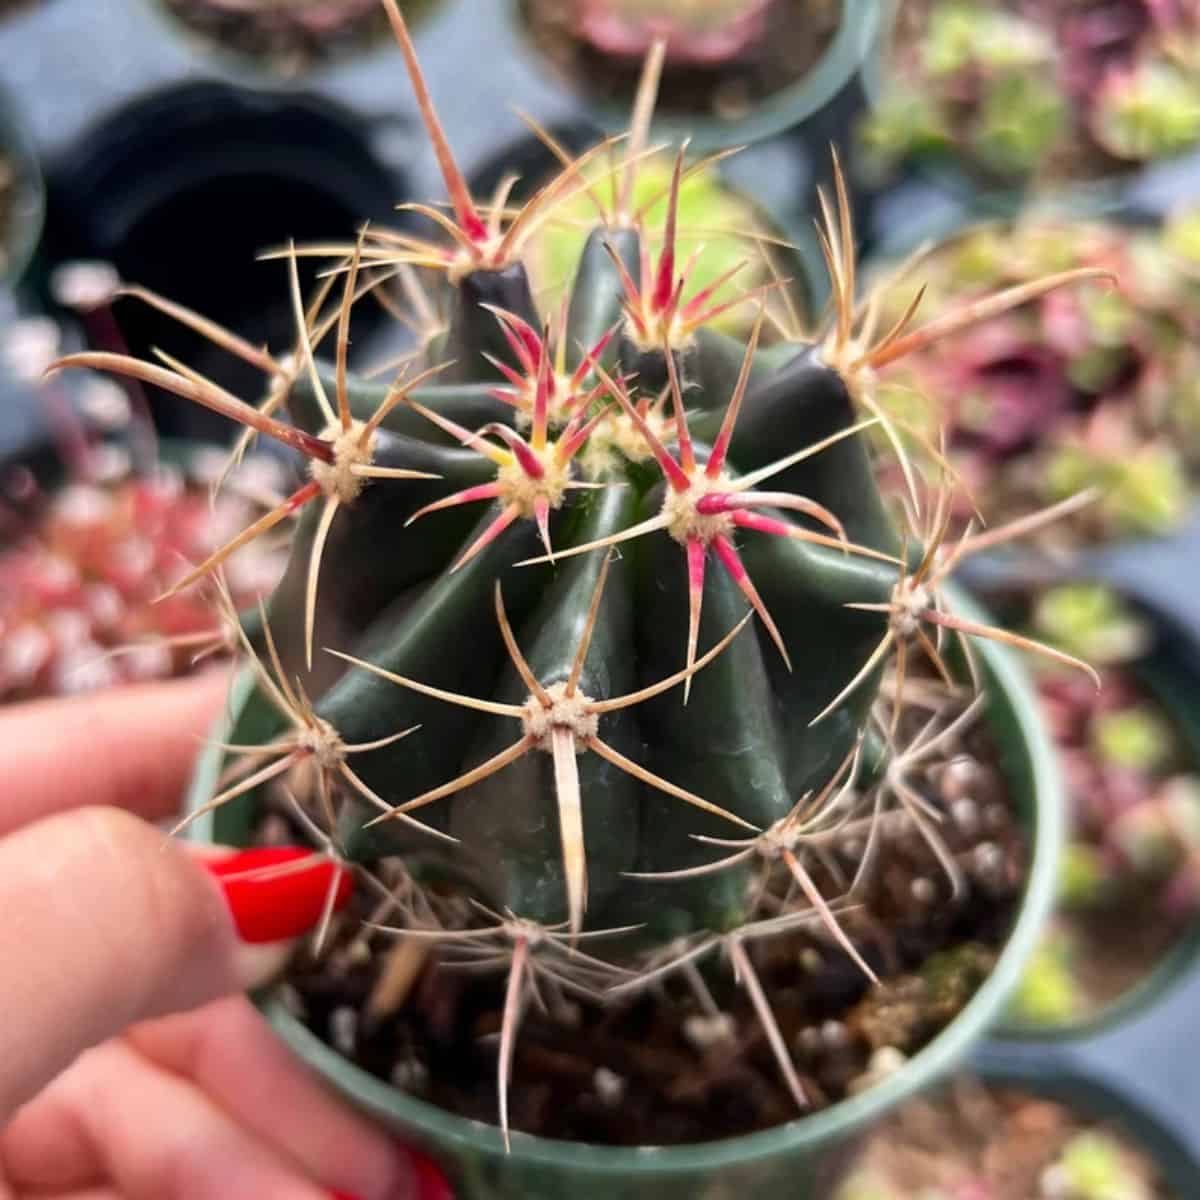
(697, 32)
(1010, 389)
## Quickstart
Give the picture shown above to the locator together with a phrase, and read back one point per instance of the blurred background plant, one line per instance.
(1095, 387)
(1055, 90)
(979, 1142)
(88, 551)
(1129, 886)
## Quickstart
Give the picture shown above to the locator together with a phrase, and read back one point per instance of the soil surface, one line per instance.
(797, 34)
(686, 1060)
(995, 1144)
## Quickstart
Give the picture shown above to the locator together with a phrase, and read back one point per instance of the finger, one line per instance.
(228, 1051)
(106, 922)
(47, 1148)
(157, 1138)
(132, 747)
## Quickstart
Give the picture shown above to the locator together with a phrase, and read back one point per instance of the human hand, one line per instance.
(129, 1068)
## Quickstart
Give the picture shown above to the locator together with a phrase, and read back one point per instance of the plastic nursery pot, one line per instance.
(266, 50)
(22, 193)
(1088, 1100)
(817, 104)
(182, 190)
(1170, 675)
(800, 1159)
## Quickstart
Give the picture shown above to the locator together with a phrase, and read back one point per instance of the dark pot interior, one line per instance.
(182, 190)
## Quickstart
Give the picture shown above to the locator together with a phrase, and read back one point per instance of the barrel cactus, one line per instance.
(615, 587)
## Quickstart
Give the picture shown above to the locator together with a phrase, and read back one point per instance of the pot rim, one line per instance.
(848, 50)
(1076, 1087)
(447, 1131)
(1168, 679)
(28, 216)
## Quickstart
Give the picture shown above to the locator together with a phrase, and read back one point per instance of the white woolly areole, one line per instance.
(337, 479)
(519, 489)
(563, 712)
(324, 743)
(909, 604)
(686, 522)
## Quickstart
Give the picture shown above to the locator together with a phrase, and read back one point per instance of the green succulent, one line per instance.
(1095, 1166)
(1151, 113)
(1048, 993)
(1136, 738)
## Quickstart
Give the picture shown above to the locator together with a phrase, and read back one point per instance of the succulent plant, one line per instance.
(1057, 89)
(1134, 806)
(1087, 389)
(695, 31)
(590, 633)
(288, 35)
(83, 561)
(1095, 1166)
(979, 1142)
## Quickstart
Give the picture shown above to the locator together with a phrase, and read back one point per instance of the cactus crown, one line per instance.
(614, 591)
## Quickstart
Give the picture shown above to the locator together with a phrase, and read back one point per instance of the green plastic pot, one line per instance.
(848, 51)
(23, 231)
(800, 1160)
(1173, 680)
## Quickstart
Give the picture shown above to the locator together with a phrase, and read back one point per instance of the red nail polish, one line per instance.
(431, 1183)
(342, 1196)
(269, 901)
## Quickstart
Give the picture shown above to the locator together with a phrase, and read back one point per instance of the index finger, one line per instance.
(131, 747)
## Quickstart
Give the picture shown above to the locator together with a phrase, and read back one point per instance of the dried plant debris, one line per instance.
(723, 57)
(978, 1142)
(1048, 89)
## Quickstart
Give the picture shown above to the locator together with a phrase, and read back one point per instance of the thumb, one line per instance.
(107, 923)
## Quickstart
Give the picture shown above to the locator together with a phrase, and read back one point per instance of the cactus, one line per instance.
(615, 591)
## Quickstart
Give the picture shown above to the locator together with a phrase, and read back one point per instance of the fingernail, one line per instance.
(276, 893)
(431, 1183)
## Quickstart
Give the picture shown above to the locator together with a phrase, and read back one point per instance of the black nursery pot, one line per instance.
(23, 201)
(183, 189)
